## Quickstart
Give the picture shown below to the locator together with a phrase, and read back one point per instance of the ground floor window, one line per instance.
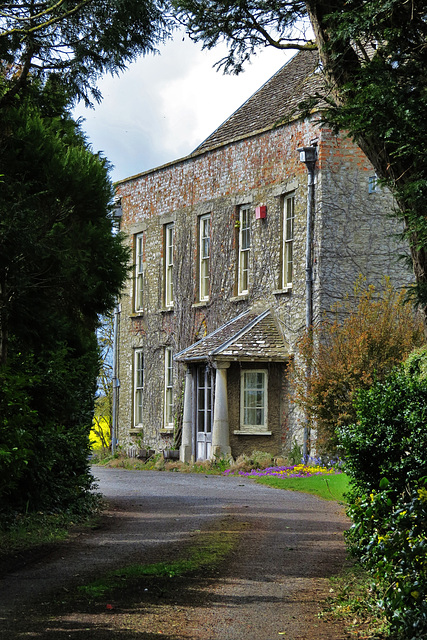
(253, 400)
(168, 419)
(138, 387)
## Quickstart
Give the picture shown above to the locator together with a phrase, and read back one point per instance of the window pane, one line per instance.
(139, 370)
(169, 408)
(200, 421)
(289, 263)
(204, 256)
(169, 367)
(138, 386)
(244, 249)
(139, 252)
(244, 269)
(254, 398)
(168, 388)
(200, 376)
(138, 402)
(288, 239)
(246, 240)
(169, 248)
(208, 421)
(139, 268)
(201, 398)
(289, 229)
(205, 248)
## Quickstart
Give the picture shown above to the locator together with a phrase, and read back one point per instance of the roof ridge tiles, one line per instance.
(276, 101)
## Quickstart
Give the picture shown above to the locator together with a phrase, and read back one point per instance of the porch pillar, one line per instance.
(221, 430)
(186, 448)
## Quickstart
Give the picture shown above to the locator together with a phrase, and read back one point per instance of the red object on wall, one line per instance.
(261, 212)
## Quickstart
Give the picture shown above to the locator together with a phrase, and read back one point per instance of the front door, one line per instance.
(203, 413)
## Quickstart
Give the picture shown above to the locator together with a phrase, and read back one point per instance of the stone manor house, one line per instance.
(227, 272)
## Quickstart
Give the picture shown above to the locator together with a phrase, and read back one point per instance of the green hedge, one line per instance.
(386, 460)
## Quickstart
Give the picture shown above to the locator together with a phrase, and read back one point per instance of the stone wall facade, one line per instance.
(352, 236)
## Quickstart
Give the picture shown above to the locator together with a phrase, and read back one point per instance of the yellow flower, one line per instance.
(422, 494)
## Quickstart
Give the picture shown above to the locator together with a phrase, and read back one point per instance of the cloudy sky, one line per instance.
(163, 106)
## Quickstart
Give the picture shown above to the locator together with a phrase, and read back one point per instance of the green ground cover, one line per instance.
(328, 487)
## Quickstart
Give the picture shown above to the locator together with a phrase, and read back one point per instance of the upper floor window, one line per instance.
(168, 407)
(138, 387)
(139, 271)
(253, 394)
(169, 238)
(244, 250)
(288, 240)
(373, 183)
(204, 256)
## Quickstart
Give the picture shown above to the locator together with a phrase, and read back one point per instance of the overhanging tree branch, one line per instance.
(78, 40)
(41, 15)
(281, 42)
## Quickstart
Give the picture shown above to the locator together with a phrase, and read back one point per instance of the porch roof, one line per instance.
(249, 336)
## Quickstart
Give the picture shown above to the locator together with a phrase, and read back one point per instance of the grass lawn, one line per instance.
(328, 487)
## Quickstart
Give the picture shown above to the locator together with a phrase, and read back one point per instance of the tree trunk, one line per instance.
(341, 64)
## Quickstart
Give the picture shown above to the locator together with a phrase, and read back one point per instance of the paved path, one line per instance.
(270, 588)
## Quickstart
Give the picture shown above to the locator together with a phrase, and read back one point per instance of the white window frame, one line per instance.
(168, 392)
(139, 272)
(169, 241)
(138, 388)
(204, 256)
(244, 250)
(288, 240)
(253, 426)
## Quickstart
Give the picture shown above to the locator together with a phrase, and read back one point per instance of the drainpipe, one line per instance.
(117, 216)
(308, 155)
(115, 381)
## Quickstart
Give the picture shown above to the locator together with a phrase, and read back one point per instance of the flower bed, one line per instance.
(295, 471)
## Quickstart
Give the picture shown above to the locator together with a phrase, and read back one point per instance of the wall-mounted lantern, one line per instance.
(308, 155)
(116, 213)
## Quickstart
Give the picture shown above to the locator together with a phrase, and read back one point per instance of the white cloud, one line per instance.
(163, 106)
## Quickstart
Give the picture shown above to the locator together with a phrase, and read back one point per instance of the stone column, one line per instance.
(221, 428)
(186, 448)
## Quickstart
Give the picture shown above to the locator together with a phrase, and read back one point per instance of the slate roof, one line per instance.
(249, 336)
(274, 103)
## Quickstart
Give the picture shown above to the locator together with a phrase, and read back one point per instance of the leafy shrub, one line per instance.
(256, 460)
(45, 418)
(389, 538)
(390, 437)
(17, 419)
(368, 335)
(61, 268)
(386, 461)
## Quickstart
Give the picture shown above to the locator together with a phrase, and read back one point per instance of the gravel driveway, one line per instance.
(270, 587)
